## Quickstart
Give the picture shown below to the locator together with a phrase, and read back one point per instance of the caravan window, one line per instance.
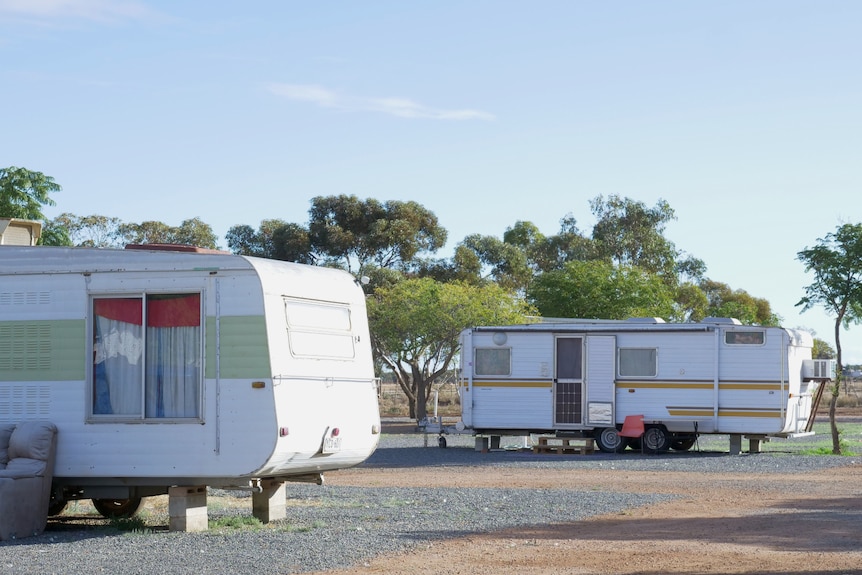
(638, 362)
(749, 337)
(147, 357)
(319, 329)
(493, 361)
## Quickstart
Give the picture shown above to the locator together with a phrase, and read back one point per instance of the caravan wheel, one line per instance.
(117, 508)
(609, 441)
(656, 439)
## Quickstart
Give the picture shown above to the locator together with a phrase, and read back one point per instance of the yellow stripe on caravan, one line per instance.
(764, 386)
(547, 384)
(689, 412)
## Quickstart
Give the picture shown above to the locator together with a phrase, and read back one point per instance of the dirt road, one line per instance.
(720, 523)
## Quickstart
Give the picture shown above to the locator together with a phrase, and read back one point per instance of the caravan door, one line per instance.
(568, 381)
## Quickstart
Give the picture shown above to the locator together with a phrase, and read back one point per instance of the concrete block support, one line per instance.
(187, 506)
(269, 504)
(735, 443)
(487, 443)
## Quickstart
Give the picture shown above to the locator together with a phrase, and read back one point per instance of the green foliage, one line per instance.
(246, 241)
(836, 261)
(507, 262)
(629, 233)
(725, 302)
(416, 323)
(23, 193)
(354, 233)
(837, 265)
(346, 232)
(193, 232)
(600, 290)
(90, 231)
(135, 524)
(822, 349)
(236, 522)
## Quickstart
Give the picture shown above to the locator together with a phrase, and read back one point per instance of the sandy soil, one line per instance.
(728, 523)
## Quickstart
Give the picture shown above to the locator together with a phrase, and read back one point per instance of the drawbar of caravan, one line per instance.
(172, 367)
(583, 377)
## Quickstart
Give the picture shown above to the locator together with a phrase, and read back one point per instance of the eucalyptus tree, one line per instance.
(347, 232)
(836, 262)
(190, 232)
(91, 231)
(415, 326)
(600, 290)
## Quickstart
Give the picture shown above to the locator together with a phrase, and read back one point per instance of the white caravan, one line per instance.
(165, 368)
(584, 377)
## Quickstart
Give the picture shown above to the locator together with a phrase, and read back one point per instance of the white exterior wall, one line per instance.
(524, 399)
(702, 384)
(313, 395)
(239, 431)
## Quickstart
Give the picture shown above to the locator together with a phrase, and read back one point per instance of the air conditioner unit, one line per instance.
(818, 369)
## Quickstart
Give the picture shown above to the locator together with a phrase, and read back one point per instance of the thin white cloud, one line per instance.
(97, 10)
(399, 107)
(306, 93)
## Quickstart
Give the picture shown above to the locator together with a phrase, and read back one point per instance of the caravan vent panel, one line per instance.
(25, 298)
(25, 347)
(19, 402)
(818, 369)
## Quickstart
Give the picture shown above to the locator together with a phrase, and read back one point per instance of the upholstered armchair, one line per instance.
(26, 469)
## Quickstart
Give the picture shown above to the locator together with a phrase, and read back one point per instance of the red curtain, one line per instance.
(172, 311)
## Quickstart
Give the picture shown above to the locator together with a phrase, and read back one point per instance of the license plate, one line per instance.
(331, 444)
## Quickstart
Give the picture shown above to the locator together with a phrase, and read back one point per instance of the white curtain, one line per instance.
(118, 367)
(173, 371)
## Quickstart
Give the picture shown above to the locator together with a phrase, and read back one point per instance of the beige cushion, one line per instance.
(31, 440)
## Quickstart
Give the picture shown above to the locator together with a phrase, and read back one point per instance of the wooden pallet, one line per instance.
(566, 445)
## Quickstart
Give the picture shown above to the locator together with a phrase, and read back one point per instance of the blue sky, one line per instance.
(744, 116)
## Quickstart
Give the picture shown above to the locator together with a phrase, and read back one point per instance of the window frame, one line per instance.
(744, 332)
(140, 416)
(476, 362)
(339, 333)
(620, 352)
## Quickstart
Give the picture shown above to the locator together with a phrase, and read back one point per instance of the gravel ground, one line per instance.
(338, 526)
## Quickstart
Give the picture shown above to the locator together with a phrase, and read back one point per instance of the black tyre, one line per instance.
(441, 442)
(656, 439)
(609, 441)
(117, 508)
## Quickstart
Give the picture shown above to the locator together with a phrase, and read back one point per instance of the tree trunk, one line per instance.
(836, 441)
(421, 387)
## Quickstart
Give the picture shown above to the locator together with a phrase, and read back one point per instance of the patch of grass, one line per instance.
(136, 524)
(236, 522)
(290, 528)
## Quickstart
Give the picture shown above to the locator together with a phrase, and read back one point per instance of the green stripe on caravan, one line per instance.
(243, 348)
(50, 350)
